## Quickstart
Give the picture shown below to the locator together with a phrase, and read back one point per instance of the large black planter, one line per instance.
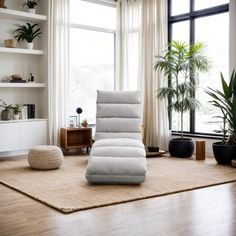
(224, 154)
(181, 148)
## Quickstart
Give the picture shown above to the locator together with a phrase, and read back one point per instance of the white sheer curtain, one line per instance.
(142, 34)
(128, 44)
(232, 36)
(58, 67)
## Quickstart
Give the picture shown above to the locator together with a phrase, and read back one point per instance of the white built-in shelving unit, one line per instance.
(17, 135)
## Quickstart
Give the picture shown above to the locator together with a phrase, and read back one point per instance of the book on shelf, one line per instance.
(28, 111)
(18, 81)
(24, 112)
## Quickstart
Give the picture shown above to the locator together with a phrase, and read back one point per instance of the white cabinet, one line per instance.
(32, 134)
(9, 137)
(22, 134)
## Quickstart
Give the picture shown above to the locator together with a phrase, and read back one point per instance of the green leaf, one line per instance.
(27, 32)
(226, 88)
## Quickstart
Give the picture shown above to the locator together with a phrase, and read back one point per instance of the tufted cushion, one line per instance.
(118, 110)
(117, 147)
(124, 97)
(125, 125)
(116, 170)
(119, 142)
(105, 135)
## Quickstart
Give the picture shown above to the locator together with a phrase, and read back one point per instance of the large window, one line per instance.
(208, 22)
(92, 53)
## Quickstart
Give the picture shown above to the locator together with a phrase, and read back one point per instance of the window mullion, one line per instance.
(192, 41)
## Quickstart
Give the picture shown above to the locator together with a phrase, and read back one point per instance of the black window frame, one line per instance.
(191, 16)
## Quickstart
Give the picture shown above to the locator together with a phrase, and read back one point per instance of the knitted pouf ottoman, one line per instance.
(45, 157)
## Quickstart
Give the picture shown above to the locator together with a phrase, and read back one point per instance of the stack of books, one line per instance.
(28, 111)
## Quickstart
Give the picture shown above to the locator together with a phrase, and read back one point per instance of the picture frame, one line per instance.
(72, 121)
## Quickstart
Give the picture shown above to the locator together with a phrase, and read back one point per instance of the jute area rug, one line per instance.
(67, 190)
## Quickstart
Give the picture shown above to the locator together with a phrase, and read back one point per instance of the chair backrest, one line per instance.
(118, 114)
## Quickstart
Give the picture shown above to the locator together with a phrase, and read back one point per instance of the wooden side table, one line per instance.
(200, 150)
(76, 138)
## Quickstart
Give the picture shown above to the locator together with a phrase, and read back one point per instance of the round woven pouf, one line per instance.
(45, 157)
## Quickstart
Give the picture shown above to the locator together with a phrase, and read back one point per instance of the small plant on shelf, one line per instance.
(31, 4)
(27, 33)
(16, 111)
(84, 123)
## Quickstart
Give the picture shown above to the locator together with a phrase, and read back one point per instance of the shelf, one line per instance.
(20, 120)
(21, 51)
(21, 15)
(22, 85)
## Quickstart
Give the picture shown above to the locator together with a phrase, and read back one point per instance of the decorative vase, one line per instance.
(6, 115)
(30, 45)
(31, 10)
(16, 116)
(10, 43)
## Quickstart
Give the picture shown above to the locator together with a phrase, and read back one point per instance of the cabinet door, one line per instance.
(9, 137)
(32, 134)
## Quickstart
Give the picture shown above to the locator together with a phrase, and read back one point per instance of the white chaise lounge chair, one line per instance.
(118, 154)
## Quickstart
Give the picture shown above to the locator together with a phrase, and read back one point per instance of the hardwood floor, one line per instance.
(208, 211)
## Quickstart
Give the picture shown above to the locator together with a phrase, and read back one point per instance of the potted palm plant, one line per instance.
(6, 113)
(180, 62)
(28, 33)
(16, 111)
(225, 100)
(31, 4)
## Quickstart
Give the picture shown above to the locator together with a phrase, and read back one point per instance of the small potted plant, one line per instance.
(6, 113)
(16, 111)
(28, 33)
(31, 4)
(225, 100)
(84, 123)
